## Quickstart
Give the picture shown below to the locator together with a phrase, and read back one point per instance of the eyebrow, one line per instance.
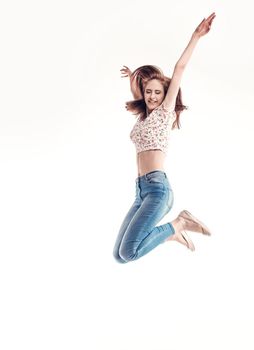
(155, 90)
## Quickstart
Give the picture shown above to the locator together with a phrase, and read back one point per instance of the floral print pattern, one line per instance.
(153, 132)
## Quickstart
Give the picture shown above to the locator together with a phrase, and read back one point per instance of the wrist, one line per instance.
(195, 36)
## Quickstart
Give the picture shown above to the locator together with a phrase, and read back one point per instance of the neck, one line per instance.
(148, 111)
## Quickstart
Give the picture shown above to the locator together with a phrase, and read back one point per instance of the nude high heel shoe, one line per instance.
(181, 237)
(188, 242)
(190, 223)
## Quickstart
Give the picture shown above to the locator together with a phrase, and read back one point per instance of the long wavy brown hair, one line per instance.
(138, 79)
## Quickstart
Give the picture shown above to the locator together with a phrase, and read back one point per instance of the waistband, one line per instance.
(145, 176)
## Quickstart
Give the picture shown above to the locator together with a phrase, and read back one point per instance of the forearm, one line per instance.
(135, 91)
(184, 59)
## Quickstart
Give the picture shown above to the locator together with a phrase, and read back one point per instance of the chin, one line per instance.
(153, 105)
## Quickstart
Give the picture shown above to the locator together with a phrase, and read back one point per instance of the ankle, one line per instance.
(177, 225)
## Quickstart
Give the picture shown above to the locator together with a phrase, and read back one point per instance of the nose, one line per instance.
(152, 95)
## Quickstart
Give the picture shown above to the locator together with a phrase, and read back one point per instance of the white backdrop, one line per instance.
(68, 170)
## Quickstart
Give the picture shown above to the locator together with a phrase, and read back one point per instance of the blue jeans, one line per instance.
(138, 234)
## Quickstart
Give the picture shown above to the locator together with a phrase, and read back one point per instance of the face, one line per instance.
(153, 94)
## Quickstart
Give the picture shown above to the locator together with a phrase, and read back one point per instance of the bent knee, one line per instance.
(127, 256)
(118, 258)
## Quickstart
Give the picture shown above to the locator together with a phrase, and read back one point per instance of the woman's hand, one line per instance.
(125, 71)
(204, 27)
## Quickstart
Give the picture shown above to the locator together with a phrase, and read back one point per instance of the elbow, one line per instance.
(179, 66)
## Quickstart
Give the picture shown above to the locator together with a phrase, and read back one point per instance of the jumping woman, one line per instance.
(158, 103)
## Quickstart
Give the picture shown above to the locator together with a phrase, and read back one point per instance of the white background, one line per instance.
(68, 171)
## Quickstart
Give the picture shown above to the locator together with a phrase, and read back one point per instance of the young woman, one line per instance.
(158, 103)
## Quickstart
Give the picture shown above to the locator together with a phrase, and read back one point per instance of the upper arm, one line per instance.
(170, 98)
(134, 89)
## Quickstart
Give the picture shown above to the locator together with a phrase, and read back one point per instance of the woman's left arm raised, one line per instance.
(202, 29)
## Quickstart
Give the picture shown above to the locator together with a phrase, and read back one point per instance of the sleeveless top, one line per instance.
(153, 132)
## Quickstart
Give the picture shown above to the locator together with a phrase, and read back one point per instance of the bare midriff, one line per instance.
(150, 160)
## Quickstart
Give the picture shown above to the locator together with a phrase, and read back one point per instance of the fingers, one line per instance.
(125, 71)
(211, 17)
(126, 68)
(209, 20)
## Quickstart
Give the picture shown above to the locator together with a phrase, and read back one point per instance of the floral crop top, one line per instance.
(153, 132)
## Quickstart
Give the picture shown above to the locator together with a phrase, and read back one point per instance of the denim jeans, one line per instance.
(138, 234)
